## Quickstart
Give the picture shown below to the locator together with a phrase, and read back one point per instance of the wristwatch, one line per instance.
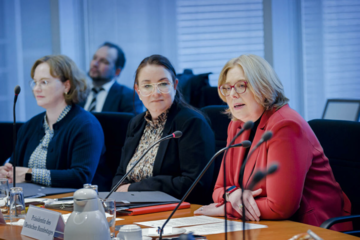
(28, 176)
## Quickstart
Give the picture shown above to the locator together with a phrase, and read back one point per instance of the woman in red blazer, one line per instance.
(304, 188)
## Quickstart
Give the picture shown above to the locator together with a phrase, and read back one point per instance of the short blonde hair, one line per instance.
(262, 81)
(64, 68)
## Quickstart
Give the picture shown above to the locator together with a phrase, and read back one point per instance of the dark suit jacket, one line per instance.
(121, 99)
(178, 161)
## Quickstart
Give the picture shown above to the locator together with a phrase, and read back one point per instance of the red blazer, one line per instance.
(303, 189)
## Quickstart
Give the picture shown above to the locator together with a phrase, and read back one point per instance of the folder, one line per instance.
(152, 209)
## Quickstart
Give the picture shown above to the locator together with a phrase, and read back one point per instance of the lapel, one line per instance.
(163, 145)
(249, 169)
(110, 103)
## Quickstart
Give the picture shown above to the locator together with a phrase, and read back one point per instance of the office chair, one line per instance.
(114, 125)
(6, 140)
(219, 124)
(342, 109)
(340, 141)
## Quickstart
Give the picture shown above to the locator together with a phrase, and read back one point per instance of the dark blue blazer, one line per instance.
(74, 153)
(121, 99)
(178, 161)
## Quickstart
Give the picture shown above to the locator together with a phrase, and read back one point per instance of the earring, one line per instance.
(65, 93)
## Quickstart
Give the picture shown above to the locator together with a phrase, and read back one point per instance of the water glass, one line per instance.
(110, 212)
(4, 197)
(17, 204)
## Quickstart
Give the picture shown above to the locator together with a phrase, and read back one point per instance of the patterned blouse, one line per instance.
(38, 158)
(152, 132)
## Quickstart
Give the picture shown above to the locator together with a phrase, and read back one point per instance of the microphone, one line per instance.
(17, 91)
(259, 175)
(264, 138)
(244, 144)
(248, 125)
(176, 134)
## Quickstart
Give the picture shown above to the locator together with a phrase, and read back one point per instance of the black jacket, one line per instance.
(178, 161)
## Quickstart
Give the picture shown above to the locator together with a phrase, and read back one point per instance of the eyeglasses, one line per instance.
(240, 87)
(148, 89)
(42, 83)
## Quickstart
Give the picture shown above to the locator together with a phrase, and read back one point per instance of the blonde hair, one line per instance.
(64, 68)
(262, 81)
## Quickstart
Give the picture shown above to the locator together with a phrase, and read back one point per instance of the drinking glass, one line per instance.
(17, 204)
(4, 197)
(110, 212)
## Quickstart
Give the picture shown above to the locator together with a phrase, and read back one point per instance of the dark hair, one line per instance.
(64, 68)
(160, 60)
(120, 60)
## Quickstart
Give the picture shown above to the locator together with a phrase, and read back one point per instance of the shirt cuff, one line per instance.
(41, 176)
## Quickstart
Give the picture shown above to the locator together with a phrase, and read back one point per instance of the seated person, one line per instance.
(61, 147)
(173, 165)
(304, 188)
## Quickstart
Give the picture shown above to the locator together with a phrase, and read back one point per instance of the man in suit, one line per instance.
(106, 94)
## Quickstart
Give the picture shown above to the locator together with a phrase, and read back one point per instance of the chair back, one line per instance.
(342, 109)
(340, 141)
(219, 124)
(6, 140)
(114, 125)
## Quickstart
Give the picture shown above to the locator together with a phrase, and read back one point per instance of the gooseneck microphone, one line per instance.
(264, 138)
(176, 134)
(17, 91)
(247, 126)
(259, 175)
(244, 144)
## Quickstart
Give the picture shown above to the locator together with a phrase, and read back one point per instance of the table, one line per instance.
(276, 229)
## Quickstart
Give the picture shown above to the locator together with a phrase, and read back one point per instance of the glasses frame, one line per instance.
(34, 83)
(157, 87)
(233, 87)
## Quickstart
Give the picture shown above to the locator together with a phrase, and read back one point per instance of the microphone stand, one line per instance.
(248, 125)
(176, 134)
(265, 137)
(245, 143)
(17, 91)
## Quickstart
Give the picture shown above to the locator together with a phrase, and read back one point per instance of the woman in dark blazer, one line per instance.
(173, 165)
(64, 146)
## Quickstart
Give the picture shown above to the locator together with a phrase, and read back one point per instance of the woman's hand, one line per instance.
(211, 210)
(6, 171)
(123, 188)
(252, 211)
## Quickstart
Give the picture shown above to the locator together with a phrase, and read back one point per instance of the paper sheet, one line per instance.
(66, 217)
(180, 222)
(216, 228)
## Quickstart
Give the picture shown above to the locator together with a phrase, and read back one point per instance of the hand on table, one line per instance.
(211, 210)
(6, 171)
(123, 188)
(252, 211)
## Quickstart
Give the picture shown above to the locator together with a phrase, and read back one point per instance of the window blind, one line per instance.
(211, 32)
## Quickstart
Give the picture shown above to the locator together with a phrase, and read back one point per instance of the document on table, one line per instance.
(216, 228)
(180, 222)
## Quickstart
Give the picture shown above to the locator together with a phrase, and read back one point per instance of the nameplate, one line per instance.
(41, 223)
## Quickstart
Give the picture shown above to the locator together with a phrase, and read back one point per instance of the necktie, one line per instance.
(92, 105)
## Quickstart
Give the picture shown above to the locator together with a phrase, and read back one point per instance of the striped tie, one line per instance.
(92, 106)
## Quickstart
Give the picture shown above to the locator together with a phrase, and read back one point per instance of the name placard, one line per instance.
(41, 223)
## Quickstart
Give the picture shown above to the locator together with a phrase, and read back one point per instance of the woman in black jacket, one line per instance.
(173, 165)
